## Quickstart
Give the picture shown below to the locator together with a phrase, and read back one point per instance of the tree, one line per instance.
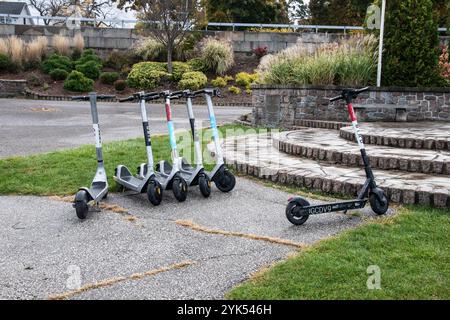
(247, 11)
(66, 8)
(50, 8)
(297, 10)
(339, 12)
(167, 20)
(411, 44)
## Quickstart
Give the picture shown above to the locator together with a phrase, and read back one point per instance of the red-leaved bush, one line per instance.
(444, 64)
(260, 51)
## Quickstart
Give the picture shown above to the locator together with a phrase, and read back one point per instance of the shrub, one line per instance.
(260, 52)
(246, 79)
(197, 64)
(109, 77)
(120, 85)
(228, 78)
(217, 55)
(151, 49)
(59, 74)
(193, 80)
(4, 46)
(90, 69)
(147, 75)
(5, 62)
(34, 81)
(117, 60)
(88, 56)
(351, 63)
(178, 69)
(61, 45)
(411, 45)
(76, 81)
(56, 61)
(234, 90)
(219, 82)
(35, 50)
(16, 50)
(78, 45)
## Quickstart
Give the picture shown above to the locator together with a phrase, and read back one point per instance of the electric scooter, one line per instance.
(299, 209)
(99, 185)
(220, 175)
(149, 182)
(170, 175)
(193, 175)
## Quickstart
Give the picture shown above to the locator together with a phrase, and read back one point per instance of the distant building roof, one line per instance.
(11, 7)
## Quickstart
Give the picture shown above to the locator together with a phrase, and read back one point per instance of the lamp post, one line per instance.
(380, 47)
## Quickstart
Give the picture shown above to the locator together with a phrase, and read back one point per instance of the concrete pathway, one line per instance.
(36, 126)
(255, 155)
(199, 249)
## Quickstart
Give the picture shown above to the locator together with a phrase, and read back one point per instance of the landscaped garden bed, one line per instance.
(67, 70)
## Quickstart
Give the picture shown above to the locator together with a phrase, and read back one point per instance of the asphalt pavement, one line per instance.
(48, 253)
(37, 126)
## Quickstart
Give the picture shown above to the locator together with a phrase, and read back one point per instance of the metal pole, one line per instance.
(380, 49)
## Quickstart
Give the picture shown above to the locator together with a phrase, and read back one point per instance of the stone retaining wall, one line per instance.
(12, 88)
(290, 105)
(123, 39)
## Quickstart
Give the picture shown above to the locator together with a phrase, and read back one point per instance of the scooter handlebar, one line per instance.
(349, 93)
(213, 92)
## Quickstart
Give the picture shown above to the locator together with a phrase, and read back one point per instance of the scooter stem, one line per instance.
(195, 137)
(147, 137)
(172, 138)
(362, 148)
(95, 125)
(215, 132)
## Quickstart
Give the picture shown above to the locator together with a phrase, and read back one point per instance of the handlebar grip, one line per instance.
(363, 89)
(130, 98)
(80, 98)
(105, 97)
(336, 98)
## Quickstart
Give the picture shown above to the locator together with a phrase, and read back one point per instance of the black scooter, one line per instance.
(299, 209)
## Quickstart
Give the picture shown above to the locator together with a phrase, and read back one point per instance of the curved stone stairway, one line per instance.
(324, 160)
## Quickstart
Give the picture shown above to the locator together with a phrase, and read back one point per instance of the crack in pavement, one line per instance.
(126, 215)
(196, 227)
(112, 281)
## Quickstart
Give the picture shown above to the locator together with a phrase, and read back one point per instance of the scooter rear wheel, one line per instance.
(81, 204)
(296, 220)
(379, 206)
(180, 189)
(226, 181)
(205, 185)
(154, 192)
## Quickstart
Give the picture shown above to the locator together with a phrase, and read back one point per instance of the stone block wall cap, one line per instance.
(9, 80)
(318, 87)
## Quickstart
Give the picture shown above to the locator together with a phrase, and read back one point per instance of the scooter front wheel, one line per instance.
(81, 204)
(379, 205)
(180, 189)
(226, 181)
(154, 192)
(290, 212)
(205, 185)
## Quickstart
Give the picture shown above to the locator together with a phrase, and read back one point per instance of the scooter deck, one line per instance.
(330, 207)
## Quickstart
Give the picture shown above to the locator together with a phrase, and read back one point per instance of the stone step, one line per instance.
(415, 135)
(335, 125)
(325, 145)
(255, 155)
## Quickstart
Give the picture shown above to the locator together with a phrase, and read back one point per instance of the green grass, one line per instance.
(412, 251)
(63, 172)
